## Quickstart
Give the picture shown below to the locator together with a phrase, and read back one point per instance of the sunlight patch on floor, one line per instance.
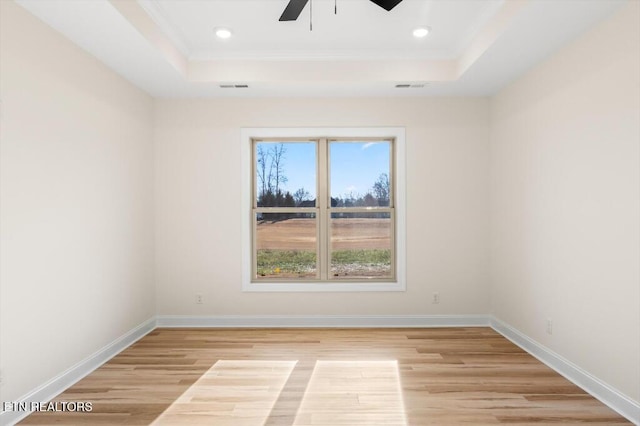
(353, 393)
(231, 392)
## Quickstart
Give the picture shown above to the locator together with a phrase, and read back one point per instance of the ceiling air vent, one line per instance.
(234, 86)
(412, 85)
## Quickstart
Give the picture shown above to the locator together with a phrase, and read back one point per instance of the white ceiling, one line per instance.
(360, 29)
(167, 47)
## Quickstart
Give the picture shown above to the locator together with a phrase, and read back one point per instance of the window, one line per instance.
(326, 209)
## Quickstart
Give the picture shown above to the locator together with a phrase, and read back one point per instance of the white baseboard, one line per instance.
(606, 394)
(337, 321)
(72, 375)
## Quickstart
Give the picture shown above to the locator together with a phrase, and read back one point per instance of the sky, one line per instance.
(355, 166)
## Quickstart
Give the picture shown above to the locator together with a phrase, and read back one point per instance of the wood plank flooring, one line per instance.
(437, 376)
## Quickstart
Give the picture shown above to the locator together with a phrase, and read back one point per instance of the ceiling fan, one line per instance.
(294, 8)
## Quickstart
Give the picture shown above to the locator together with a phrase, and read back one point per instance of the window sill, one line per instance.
(323, 287)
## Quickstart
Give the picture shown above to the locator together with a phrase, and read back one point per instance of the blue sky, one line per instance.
(355, 166)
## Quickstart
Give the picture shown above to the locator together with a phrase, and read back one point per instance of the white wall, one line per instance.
(198, 200)
(76, 187)
(565, 162)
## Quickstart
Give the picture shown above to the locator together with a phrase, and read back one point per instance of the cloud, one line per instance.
(369, 145)
(351, 188)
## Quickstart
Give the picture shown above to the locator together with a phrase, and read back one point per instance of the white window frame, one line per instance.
(246, 138)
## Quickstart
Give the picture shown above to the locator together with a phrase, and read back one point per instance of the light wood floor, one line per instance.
(438, 376)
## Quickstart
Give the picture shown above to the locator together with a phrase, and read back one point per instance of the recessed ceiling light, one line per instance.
(234, 86)
(421, 32)
(223, 33)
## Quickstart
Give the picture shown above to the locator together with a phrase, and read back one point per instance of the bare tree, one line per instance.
(301, 195)
(277, 164)
(271, 174)
(262, 159)
(381, 189)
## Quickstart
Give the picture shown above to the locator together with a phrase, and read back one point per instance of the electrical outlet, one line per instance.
(199, 299)
(436, 298)
(549, 326)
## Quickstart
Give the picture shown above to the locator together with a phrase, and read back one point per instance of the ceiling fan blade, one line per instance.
(387, 4)
(293, 10)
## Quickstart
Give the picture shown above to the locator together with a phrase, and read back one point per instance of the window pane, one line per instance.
(361, 245)
(360, 174)
(286, 245)
(285, 174)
